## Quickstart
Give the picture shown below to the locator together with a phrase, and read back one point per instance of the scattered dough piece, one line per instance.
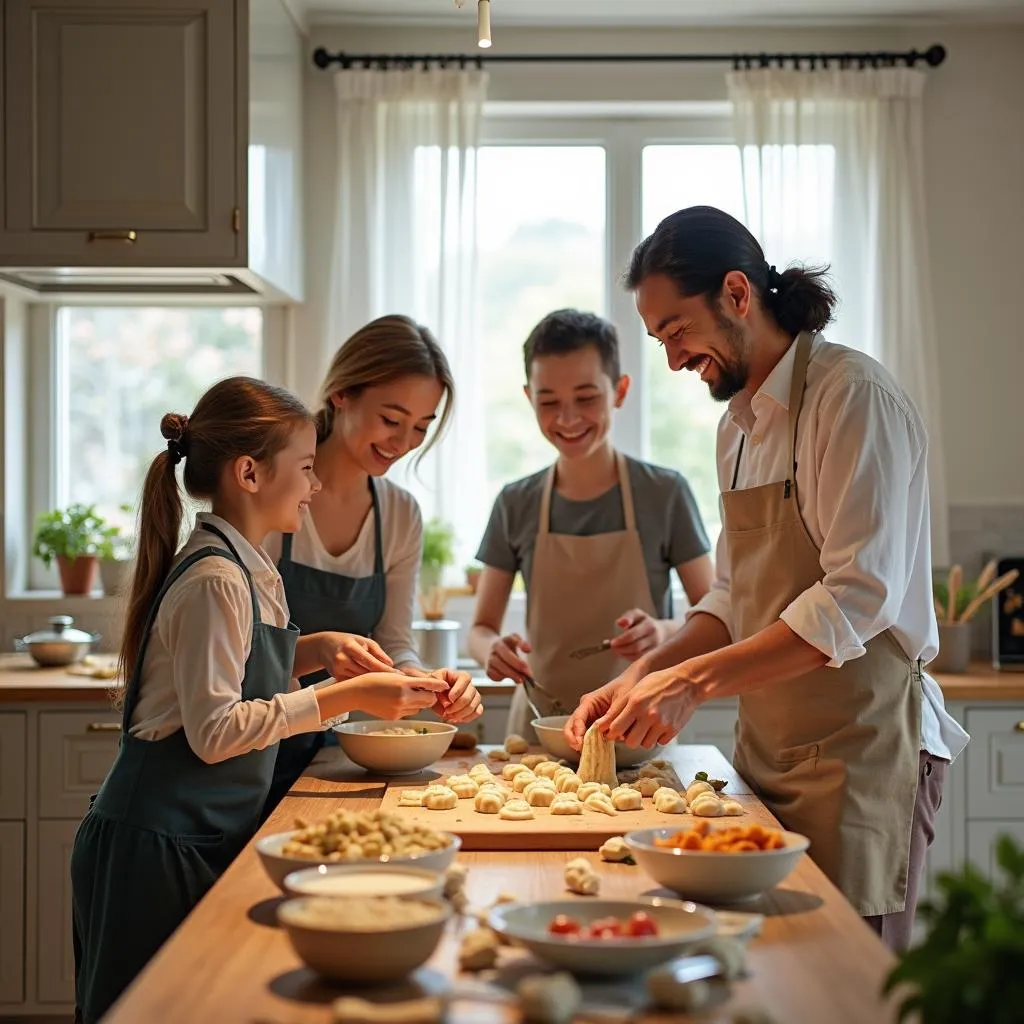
(488, 801)
(566, 804)
(652, 770)
(516, 810)
(568, 782)
(533, 760)
(585, 789)
(539, 796)
(545, 768)
(464, 741)
(597, 758)
(707, 805)
(678, 997)
(660, 763)
(522, 780)
(478, 950)
(581, 877)
(600, 802)
(549, 998)
(480, 769)
(349, 1010)
(615, 850)
(498, 754)
(515, 744)
(625, 799)
(732, 807)
(411, 798)
(463, 786)
(440, 800)
(455, 879)
(647, 787)
(510, 771)
(668, 801)
(729, 952)
(696, 788)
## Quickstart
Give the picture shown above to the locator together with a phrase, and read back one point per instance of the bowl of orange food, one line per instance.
(727, 864)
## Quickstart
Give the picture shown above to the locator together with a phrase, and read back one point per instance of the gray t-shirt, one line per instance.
(670, 527)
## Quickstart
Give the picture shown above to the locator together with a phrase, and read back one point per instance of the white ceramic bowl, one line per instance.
(714, 877)
(278, 865)
(395, 755)
(345, 880)
(679, 925)
(358, 956)
(552, 739)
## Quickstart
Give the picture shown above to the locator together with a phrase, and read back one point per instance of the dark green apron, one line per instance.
(320, 602)
(165, 825)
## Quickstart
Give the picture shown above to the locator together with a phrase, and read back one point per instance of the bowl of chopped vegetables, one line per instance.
(395, 748)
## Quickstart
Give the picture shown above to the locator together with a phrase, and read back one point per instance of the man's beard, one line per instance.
(733, 369)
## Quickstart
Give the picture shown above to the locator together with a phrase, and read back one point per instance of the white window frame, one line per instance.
(44, 447)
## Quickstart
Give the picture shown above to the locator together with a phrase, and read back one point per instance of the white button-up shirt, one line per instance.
(200, 641)
(862, 486)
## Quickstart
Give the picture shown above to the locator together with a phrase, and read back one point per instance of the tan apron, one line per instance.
(579, 586)
(833, 753)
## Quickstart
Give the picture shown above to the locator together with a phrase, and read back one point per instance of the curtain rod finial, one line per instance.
(321, 58)
(935, 55)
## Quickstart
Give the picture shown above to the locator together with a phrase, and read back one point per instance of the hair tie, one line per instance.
(176, 451)
(774, 279)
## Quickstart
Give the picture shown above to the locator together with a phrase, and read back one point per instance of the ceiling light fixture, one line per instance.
(483, 24)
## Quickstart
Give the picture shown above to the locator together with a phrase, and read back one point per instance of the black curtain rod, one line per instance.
(933, 57)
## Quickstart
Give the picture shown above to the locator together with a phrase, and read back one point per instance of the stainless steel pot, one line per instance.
(437, 642)
(59, 645)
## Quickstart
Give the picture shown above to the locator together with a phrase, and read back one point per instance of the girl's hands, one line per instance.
(345, 655)
(394, 695)
(461, 702)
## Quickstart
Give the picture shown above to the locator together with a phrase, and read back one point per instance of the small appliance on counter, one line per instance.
(1008, 619)
(437, 642)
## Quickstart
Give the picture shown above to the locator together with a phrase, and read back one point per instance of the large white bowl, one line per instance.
(342, 881)
(395, 755)
(679, 925)
(714, 877)
(552, 739)
(362, 957)
(278, 865)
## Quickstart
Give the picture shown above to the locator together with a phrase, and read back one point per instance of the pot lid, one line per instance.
(61, 630)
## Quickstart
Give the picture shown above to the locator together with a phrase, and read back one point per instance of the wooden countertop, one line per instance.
(22, 681)
(815, 960)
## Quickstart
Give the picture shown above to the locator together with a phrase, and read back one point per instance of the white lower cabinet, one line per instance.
(55, 959)
(12, 912)
(981, 842)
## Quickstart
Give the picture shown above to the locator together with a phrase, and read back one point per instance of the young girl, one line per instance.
(353, 561)
(208, 658)
(596, 536)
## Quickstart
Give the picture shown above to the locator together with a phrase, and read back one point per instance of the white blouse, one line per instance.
(402, 543)
(194, 664)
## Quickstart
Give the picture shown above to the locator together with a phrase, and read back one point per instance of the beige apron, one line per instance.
(579, 586)
(833, 753)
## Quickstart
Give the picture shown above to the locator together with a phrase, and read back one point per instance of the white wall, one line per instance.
(974, 139)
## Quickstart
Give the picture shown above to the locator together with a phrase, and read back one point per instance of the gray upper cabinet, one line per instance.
(124, 133)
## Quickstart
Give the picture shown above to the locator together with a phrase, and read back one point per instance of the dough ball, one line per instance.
(515, 744)
(516, 810)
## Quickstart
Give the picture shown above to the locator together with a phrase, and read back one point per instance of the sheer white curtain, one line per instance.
(833, 168)
(405, 242)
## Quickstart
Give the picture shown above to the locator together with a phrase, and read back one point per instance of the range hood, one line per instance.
(152, 149)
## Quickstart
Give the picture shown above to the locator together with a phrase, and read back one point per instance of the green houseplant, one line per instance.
(969, 966)
(76, 538)
(473, 572)
(438, 555)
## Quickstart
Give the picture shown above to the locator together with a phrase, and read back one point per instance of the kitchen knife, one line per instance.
(586, 652)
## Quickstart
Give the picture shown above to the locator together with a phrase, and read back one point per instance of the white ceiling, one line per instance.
(650, 13)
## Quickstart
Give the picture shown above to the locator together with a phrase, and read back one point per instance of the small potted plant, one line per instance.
(968, 968)
(116, 561)
(956, 603)
(438, 555)
(473, 573)
(76, 537)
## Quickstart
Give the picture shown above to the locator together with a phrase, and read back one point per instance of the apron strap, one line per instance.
(736, 468)
(803, 343)
(628, 509)
(378, 550)
(286, 549)
(131, 693)
(544, 526)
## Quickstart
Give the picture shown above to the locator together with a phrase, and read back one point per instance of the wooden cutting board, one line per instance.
(545, 831)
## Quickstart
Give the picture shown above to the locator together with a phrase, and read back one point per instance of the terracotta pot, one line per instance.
(473, 579)
(78, 575)
(954, 648)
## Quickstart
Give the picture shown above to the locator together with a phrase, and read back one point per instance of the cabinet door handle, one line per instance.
(112, 236)
(103, 727)
(1019, 727)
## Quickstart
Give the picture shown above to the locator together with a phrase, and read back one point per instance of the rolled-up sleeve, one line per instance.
(871, 460)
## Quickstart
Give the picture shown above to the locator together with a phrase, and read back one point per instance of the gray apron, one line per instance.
(318, 602)
(165, 825)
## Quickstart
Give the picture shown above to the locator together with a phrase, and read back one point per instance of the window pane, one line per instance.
(541, 231)
(121, 369)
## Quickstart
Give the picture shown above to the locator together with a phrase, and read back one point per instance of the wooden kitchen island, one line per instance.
(814, 961)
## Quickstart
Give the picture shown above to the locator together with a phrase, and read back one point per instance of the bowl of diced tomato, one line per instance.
(725, 864)
(604, 936)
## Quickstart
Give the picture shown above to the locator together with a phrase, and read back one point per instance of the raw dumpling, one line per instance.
(729, 952)
(428, 1010)
(480, 770)
(652, 770)
(441, 799)
(707, 805)
(566, 804)
(567, 782)
(489, 801)
(696, 788)
(549, 998)
(533, 760)
(597, 759)
(498, 754)
(660, 763)
(545, 768)
(615, 850)
(668, 801)
(581, 877)
(647, 787)
(600, 802)
(667, 789)
(516, 810)
(522, 780)
(411, 798)
(539, 796)
(463, 786)
(585, 789)
(510, 771)
(732, 807)
(626, 799)
(515, 744)
(478, 950)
